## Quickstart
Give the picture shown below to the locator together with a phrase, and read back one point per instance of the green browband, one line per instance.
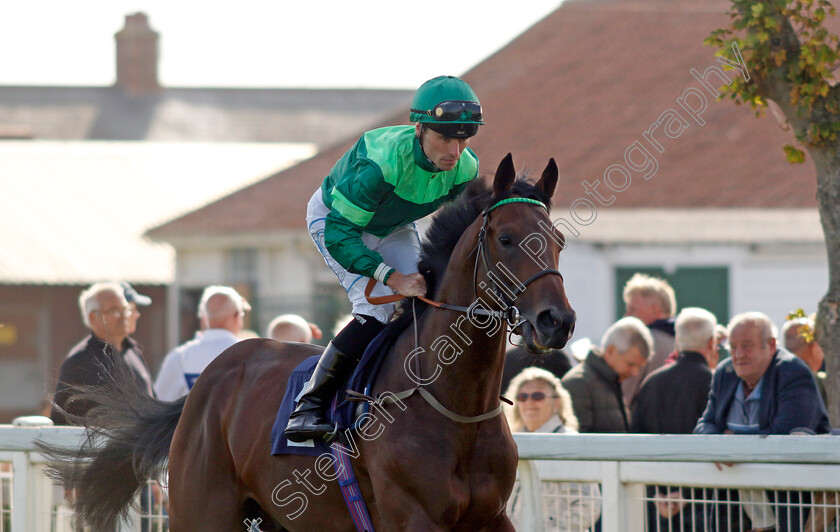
(518, 200)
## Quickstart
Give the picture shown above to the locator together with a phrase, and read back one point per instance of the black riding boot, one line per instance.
(309, 420)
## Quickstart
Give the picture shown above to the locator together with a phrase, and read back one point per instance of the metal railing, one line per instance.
(622, 465)
(625, 464)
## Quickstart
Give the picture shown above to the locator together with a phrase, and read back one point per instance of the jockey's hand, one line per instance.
(411, 285)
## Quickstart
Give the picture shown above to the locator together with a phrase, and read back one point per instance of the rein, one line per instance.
(503, 293)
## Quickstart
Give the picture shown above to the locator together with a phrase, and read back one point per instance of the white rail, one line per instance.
(622, 464)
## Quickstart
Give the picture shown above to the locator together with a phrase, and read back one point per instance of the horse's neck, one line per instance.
(467, 352)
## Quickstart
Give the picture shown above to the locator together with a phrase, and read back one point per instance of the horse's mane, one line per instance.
(446, 229)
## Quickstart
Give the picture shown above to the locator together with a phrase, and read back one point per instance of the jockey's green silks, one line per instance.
(385, 181)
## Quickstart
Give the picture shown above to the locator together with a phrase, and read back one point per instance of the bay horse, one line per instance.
(491, 256)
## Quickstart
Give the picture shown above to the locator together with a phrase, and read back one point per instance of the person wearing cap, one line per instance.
(362, 221)
(135, 300)
(222, 312)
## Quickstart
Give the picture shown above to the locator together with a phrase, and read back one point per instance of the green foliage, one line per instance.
(806, 332)
(786, 41)
(794, 155)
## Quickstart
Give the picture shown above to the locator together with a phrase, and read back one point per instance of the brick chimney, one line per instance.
(137, 56)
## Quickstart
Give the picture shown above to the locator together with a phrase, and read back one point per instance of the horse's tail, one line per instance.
(127, 438)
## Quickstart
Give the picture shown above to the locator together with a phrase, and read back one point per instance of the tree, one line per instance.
(791, 57)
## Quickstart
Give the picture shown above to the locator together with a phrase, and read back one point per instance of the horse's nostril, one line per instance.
(547, 321)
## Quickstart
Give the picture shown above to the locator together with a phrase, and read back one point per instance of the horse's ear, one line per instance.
(549, 178)
(505, 176)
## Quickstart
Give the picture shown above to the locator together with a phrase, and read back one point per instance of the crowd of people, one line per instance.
(680, 384)
(110, 311)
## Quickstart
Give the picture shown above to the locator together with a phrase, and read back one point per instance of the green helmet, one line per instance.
(447, 105)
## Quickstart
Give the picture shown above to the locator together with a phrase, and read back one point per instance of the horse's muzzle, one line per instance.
(554, 327)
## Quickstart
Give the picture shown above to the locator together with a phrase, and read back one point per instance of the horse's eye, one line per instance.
(505, 240)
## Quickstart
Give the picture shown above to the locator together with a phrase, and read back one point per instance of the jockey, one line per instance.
(362, 220)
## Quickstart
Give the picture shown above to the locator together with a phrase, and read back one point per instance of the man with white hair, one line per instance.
(673, 397)
(595, 385)
(764, 390)
(761, 389)
(106, 312)
(222, 313)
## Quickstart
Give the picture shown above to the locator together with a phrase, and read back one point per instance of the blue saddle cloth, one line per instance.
(343, 412)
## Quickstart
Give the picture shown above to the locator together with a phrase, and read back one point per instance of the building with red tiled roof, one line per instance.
(656, 174)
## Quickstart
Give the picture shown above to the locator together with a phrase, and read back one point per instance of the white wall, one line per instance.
(771, 279)
(588, 278)
(779, 279)
(200, 267)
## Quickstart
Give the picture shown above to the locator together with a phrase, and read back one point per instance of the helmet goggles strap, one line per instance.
(452, 110)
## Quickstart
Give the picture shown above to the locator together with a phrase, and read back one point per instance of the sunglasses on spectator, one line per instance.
(450, 111)
(534, 396)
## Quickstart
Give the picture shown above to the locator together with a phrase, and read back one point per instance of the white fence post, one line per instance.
(623, 507)
(530, 497)
(20, 483)
(39, 490)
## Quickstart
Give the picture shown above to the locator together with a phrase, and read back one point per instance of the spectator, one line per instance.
(798, 338)
(763, 390)
(135, 300)
(652, 300)
(542, 405)
(107, 314)
(670, 401)
(595, 384)
(673, 397)
(222, 313)
(292, 328)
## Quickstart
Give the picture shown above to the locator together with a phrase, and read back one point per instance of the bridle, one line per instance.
(503, 293)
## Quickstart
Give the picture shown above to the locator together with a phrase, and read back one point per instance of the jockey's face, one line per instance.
(444, 152)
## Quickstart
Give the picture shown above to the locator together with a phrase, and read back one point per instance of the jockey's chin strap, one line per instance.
(504, 294)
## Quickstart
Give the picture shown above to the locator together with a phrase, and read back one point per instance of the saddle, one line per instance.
(343, 411)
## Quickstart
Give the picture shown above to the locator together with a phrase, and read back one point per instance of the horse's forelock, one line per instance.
(524, 188)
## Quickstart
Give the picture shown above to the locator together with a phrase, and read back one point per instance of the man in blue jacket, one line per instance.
(763, 390)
